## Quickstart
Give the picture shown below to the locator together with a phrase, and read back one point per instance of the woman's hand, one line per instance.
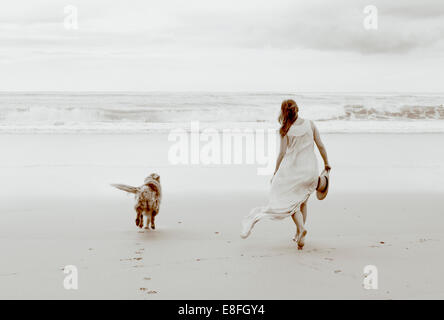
(327, 167)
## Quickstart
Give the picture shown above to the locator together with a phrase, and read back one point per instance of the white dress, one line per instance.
(295, 180)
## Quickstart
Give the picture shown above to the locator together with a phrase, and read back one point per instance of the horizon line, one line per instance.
(219, 91)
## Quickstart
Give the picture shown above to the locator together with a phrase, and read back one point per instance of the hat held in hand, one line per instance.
(323, 184)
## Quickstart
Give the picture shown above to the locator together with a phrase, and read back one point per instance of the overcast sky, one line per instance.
(223, 45)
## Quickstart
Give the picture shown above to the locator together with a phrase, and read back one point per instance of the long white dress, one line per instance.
(295, 180)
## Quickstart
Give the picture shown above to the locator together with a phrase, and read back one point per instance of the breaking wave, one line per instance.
(141, 112)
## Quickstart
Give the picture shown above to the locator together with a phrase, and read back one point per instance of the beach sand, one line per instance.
(385, 208)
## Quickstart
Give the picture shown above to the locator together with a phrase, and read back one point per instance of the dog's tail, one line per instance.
(126, 188)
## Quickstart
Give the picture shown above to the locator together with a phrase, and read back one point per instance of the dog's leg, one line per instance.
(153, 226)
(148, 221)
(141, 221)
(139, 218)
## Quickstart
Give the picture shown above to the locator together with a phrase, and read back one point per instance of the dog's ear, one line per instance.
(155, 176)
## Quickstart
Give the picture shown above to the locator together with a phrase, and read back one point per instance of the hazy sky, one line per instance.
(224, 45)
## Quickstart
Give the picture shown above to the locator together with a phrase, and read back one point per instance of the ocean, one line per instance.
(139, 112)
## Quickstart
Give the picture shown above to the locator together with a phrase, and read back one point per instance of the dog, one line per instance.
(148, 197)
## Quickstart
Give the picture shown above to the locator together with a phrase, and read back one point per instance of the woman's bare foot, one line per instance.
(301, 240)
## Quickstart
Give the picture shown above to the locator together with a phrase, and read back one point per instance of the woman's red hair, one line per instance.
(289, 114)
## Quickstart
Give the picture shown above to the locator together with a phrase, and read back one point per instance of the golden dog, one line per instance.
(148, 197)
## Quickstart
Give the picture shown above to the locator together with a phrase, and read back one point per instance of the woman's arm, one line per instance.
(283, 149)
(320, 145)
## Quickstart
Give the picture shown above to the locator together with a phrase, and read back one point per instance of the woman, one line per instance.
(296, 175)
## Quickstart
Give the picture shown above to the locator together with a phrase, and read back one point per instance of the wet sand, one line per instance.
(384, 208)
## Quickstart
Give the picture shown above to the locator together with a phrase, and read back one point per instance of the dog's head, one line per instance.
(151, 177)
(153, 181)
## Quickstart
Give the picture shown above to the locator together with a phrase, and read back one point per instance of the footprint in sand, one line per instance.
(148, 292)
(338, 271)
(147, 278)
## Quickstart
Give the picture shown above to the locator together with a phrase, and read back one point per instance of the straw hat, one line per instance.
(323, 184)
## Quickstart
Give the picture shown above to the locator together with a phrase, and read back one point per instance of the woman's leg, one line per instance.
(298, 231)
(304, 210)
(304, 216)
(298, 219)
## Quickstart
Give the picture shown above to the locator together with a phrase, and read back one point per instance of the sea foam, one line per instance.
(147, 112)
